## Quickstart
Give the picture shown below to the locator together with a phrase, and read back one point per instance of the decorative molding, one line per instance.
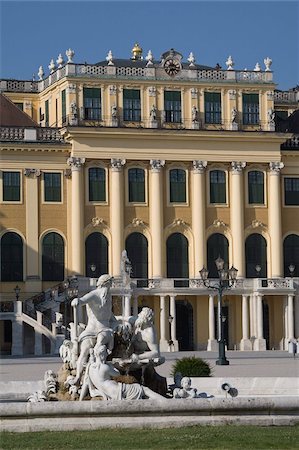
(75, 163)
(219, 223)
(257, 224)
(238, 166)
(152, 91)
(112, 89)
(137, 222)
(157, 164)
(28, 105)
(71, 89)
(178, 223)
(97, 221)
(275, 167)
(270, 95)
(34, 172)
(232, 94)
(194, 92)
(199, 166)
(67, 173)
(117, 164)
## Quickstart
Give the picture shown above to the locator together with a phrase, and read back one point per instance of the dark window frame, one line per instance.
(97, 184)
(213, 108)
(256, 187)
(53, 257)
(217, 187)
(173, 106)
(92, 101)
(291, 191)
(131, 105)
(251, 109)
(12, 264)
(177, 185)
(136, 185)
(52, 189)
(11, 186)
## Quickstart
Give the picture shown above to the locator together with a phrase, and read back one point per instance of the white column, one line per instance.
(156, 216)
(260, 342)
(198, 205)
(296, 317)
(245, 343)
(212, 342)
(77, 217)
(274, 219)
(173, 323)
(163, 341)
(237, 216)
(117, 213)
(291, 333)
(127, 308)
(284, 344)
(17, 338)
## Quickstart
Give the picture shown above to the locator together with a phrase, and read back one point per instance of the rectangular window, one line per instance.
(256, 187)
(172, 106)
(177, 180)
(97, 184)
(46, 113)
(63, 106)
(52, 187)
(11, 186)
(92, 103)
(136, 185)
(20, 106)
(251, 109)
(132, 105)
(291, 191)
(212, 107)
(217, 186)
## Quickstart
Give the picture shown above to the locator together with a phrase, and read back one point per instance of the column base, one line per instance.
(245, 345)
(259, 344)
(172, 346)
(195, 126)
(212, 345)
(153, 124)
(234, 126)
(164, 346)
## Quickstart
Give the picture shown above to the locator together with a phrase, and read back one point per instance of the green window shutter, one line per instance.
(177, 186)
(52, 187)
(250, 109)
(172, 106)
(47, 113)
(97, 184)
(11, 186)
(217, 186)
(63, 106)
(212, 107)
(92, 103)
(132, 105)
(136, 185)
(256, 187)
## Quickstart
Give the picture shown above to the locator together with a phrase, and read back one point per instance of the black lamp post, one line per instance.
(226, 280)
(170, 319)
(17, 292)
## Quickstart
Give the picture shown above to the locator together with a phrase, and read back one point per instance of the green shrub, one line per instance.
(191, 367)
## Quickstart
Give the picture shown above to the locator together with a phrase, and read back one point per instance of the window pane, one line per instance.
(96, 254)
(52, 187)
(177, 256)
(47, 113)
(172, 106)
(256, 187)
(92, 103)
(212, 107)
(256, 254)
(97, 184)
(53, 258)
(217, 186)
(63, 106)
(136, 185)
(137, 250)
(132, 105)
(291, 254)
(177, 185)
(250, 109)
(11, 186)
(291, 191)
(217, 245)
(11, 257)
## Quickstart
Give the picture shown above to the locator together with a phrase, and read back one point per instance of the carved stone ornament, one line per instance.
(152, 91)
(67, 173)
(238, 166)
(109, 58)
(70, 54)
(71, 89)
(34, 172)
(75, 163)
(137, 222)
(219, 223)
(149, 58)
(96, 221)
(178, 223)
(40, 73)
(194, 92)
(112, 89)
(232, 94)
(230, 63)
(157, 164)
(270, 95)
(275, 167)
(268, 63)
(51, 66)
(257, 67)
(28, 105)
(60, 60)
(117, 164)
(199, 166)
(257, 224)
(191, 60)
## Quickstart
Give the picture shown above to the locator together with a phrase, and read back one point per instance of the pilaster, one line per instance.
(237, 216)
(212, 342)
(274, 219)
(156, 215)
(199, 214)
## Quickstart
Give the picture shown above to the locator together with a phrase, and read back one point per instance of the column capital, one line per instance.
(117, 164)
(157, 164)
(238, 166)
(75, 163)
(34, 172)
(199, 166)
(275, 167)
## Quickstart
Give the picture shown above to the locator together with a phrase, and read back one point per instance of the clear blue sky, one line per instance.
(34, 32)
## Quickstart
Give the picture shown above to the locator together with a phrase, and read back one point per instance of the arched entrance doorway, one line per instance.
(184, 325)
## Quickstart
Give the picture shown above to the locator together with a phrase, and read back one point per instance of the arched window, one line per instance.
(217, 245)
(97, 184)
(291, 254)
(96, 255)
(177, 186)
(177, 258)
(137, 251)
(256, 255)
(136, 185)
(52, 257)
(11, 257)
(256, 187)
(217, 186)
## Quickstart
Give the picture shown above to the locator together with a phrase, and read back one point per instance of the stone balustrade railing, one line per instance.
(41, 134)
(286, 96)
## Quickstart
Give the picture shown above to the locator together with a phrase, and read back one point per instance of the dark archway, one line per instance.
(178, 258)
(184, 325)
(5, 337)
(137, 251)
(96, 255)
(11, 257)
(291, 254)
(53, 257)
(256, 255)
(217, 245)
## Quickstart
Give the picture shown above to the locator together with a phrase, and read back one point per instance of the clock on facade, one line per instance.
(172, 66)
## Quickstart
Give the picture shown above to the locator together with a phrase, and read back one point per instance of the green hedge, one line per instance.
(191, 367)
